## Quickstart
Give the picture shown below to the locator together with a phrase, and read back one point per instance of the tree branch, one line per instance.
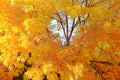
(97, 69)
(90, 3)
(61, 22)
(74, 25)
(67, 24)
(86, 3)
(53, 18)
(102, 62)
(97, 2)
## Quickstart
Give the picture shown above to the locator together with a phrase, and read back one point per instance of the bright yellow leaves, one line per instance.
(47, 67)
(34, 73)
(28, 8)
(73, 9)
(25, 42)
(78, 70)
(33, 25)
(12, 2)
(100, 12)
(16, 30)
(23, 29)
(11, 32)
(12, 13)
(85, 52)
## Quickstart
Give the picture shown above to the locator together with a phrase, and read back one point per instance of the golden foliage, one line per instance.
(29, 50)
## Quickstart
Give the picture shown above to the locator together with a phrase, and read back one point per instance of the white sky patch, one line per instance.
(56, 28)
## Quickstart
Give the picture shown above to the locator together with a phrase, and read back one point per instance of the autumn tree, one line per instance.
(31, 45)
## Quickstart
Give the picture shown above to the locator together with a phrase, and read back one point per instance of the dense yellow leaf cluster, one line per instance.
(30, 49)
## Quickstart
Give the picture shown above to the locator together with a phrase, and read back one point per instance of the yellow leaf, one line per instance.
(85, 52)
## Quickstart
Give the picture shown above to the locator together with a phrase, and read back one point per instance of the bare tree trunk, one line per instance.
(67, 41)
